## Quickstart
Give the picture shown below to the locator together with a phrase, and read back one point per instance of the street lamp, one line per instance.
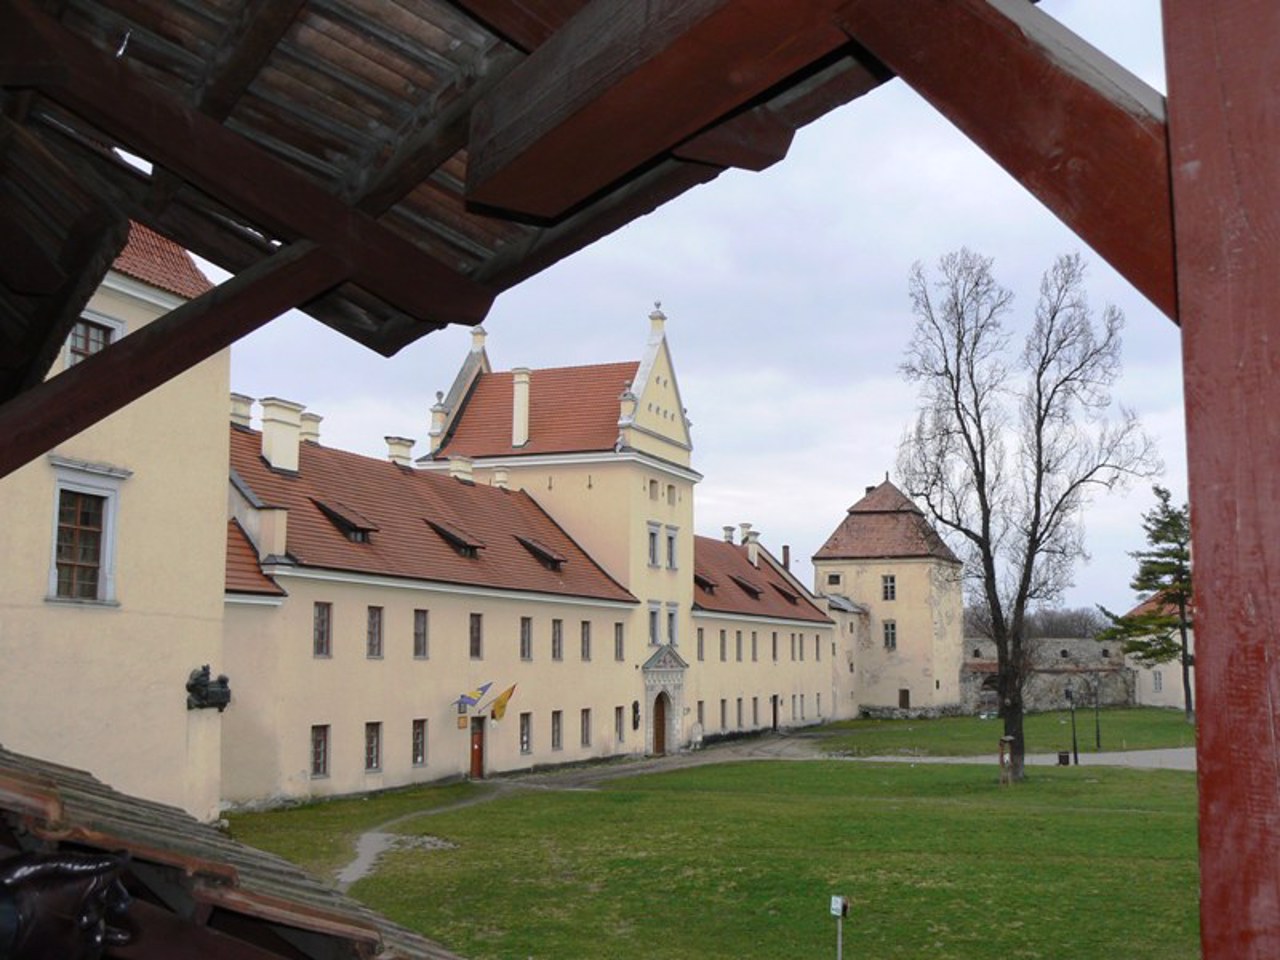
(1071, 702)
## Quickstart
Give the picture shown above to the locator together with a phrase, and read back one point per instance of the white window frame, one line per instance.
(96, 480)
(117, 327)
(673, 623)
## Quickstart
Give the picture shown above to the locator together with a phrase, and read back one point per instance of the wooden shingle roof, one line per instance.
(571, 410)
(422, 526)
(725, 581)
(884, 524)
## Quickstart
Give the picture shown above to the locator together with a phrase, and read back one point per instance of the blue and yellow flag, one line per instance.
(472, 698)
(500, 702)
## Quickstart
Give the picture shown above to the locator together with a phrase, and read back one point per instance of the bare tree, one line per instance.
(1008, 446)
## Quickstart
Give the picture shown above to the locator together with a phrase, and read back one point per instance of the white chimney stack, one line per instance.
(751, 540)
(520, 406)
(281, 425)
(435, 436)
(460, 469)
(310, 430)
(501, 478)
(728, 534)
(477, 339)
(241, 409)
(400, 451)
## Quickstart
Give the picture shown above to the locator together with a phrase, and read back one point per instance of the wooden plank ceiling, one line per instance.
(415, 158)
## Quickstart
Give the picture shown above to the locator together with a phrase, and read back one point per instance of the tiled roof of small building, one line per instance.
(884, 524)
(725, 581)
(187, 861)
(244, 573)
(571, 410)
(421, 524)
(160, 262)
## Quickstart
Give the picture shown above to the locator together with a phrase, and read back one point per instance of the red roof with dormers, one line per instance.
(725, 581)
(421, 526)
(160, 262)
(571, 410)
(244, 573)
(884, 524)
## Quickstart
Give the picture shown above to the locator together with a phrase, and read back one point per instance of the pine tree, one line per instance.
(1158, 631)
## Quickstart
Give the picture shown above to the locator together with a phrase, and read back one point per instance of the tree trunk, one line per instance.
(1011, 710)
(1189, 705)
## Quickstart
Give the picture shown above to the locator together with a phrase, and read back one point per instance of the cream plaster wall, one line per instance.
(1170, 693)
(100, 686)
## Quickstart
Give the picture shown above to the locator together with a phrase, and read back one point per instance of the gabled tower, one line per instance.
(886, 556)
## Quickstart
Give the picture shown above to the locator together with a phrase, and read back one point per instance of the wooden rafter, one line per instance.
(525, 24)
(1075, 128)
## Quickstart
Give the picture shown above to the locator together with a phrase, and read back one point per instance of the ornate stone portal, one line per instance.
(664, 696)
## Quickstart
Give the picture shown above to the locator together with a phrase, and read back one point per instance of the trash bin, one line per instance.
(1064, 758)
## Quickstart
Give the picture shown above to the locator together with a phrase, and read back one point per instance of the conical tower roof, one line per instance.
(884, 525)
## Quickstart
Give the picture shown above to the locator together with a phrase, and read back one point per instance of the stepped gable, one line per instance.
(418, 525)
(571, 410)
(885, 525)
(158, 261)
(256, 903)
(244, 572)
(725, 581)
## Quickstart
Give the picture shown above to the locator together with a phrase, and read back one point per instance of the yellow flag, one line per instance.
(500, 704)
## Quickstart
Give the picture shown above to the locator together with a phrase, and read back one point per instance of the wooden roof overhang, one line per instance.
(390, 168)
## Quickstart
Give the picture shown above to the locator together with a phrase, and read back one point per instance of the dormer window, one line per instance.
(350, 522)
(544, 554)
(787, 595)
(704, 582)
(747, 585)
(461, 541)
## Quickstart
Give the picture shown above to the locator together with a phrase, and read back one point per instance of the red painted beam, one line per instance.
(42, 417)
(1223, 62)
(1085, 136)
(284, 202)
(621, 84)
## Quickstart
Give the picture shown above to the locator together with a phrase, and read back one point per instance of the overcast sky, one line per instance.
(786, 298)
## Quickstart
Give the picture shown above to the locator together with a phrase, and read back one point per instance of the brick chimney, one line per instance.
(520, 406)
(281, 426)
(241, 409)
(310, 430)
(400, 451)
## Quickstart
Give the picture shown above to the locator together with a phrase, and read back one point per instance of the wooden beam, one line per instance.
(57, 409)
(525, 24)
(1224, 133)
(282, 201)
(250, 41)
(1085, 136)
(621, 84)
(754, 140)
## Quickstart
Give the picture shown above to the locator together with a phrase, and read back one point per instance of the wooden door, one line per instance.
(477, 748)
(660, 724)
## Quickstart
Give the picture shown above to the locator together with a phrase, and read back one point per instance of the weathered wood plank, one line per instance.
(1223, 61)
(1085, 136)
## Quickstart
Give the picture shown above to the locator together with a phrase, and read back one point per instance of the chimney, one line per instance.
(746, 531)
(752, 540)
(871, 489)
(310, 430)
(728, 534)
(273, 525)
(281, 424)
(626, 405)
(501, 478)
(436, 434)
(460, 469)
(520, 406)
(786, 556)
(241, 409)
(477, 339)
(400, 451)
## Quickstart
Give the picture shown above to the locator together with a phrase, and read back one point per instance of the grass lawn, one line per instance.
(740, 861)
(1122, 729)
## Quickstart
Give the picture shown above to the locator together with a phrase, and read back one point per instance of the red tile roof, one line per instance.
(244, 574)
(401, 505)
(571, 410)
(884, 524)
(156, 260)
(726, 582)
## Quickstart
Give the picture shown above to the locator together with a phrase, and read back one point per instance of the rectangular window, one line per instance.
(724, 714)
(755, 711)
(701, 644)
(833, 579)
(702, 714)
(373, 747)
(1157, 681)
(671, 548)
(755, 647)
(793, 647)
(586, 726)
(373, 634)
(817, 650)
(619, 724)
(79, 545)
(802, 706)
(322, 630)
(671, 494)
(526, 733)
(526, 638)
(619, 642)
(818, 707)
(888, 587)
(672, 620)
(586, 639)
(87, 338)
(890, 635)
(421, 635)
(737, 646)
(794, 714)
(476, 636)
(420, 743)
(800, 645)
(724, 647)
(655, 636)
(775, 646)
(653, 544)
(557, 736)
(557, 639)
(739, 713)
(320, 751)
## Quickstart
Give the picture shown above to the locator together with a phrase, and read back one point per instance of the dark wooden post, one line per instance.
(1223, 61)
